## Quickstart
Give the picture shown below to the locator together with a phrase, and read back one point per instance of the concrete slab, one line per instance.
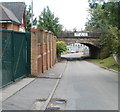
(55, 71)
(27, 97)
(15, 87)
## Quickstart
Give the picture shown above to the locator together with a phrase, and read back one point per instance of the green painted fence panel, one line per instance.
(7, 76)
(28, 37)
(15, 56)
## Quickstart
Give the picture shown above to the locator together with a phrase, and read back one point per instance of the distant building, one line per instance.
(76, 47)
(86, 50)
(12, 16)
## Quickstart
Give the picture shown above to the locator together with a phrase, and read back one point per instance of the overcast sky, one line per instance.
(71, 13)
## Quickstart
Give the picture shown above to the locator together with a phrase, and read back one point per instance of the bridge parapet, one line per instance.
(79, 34)
(90, 39)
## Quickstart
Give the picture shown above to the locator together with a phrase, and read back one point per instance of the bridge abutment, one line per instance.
(89, 39)
(94, 52)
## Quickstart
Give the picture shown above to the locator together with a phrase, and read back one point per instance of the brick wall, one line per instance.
(43, 51)
(9, 26)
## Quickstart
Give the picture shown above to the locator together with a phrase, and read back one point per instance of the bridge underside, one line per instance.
(94, 51)
(92, 43)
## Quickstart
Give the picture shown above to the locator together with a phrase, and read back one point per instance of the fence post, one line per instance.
(54, 49)
(42, 49)
(28, 42)
(1, 72)
(49, 39)
(12, 63)
(47, 51)
(34, 51)
(50, 49)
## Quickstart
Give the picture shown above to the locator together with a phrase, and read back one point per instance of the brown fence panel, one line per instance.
(39, 59)
(44, 58)
(34, 41)
(43, 51)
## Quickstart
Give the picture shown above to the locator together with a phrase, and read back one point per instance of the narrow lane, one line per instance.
(86, 86)
(72, 55)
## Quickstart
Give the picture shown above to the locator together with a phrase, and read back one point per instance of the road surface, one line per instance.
(72, 55)
(86, 86)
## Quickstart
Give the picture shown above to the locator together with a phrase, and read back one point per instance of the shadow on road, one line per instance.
(75, 58)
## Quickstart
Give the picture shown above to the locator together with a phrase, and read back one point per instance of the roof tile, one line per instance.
(17, 8)
(7, 14)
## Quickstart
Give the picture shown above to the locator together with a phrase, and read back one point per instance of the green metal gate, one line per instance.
(15, 55)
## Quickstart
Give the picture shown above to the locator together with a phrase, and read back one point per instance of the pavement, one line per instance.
(55, 72)
(32, 93)
(15, 87)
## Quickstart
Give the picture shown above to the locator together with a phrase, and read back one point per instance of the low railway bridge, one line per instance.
(89, 39)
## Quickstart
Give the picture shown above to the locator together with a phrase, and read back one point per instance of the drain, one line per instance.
(53, 108)
(57, 104)
(41, 100)
(60, 101)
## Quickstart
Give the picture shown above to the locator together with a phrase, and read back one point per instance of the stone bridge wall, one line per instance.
(89, 40)
(92, 41)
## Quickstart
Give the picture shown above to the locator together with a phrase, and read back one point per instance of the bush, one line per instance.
(61, 47)
(104, 53)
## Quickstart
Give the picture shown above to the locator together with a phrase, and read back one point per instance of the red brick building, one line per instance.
(12, 16)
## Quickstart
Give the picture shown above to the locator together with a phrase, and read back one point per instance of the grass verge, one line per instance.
(107, 62)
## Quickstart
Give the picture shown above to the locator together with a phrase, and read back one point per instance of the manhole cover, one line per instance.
(41, 100)
(57, 104)
(53, 108)
(60, 101)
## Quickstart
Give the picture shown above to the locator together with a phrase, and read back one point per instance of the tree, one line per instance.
(74, 29)
(61, 47)
(96, 21)
(111, 40)
(105, 18)
(28, 19)
(49, 22)
(104, 15)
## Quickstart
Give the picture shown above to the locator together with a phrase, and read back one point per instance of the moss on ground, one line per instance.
(107, 62)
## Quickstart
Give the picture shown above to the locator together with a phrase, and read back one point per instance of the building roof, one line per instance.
(12, 11)
(7, 15)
